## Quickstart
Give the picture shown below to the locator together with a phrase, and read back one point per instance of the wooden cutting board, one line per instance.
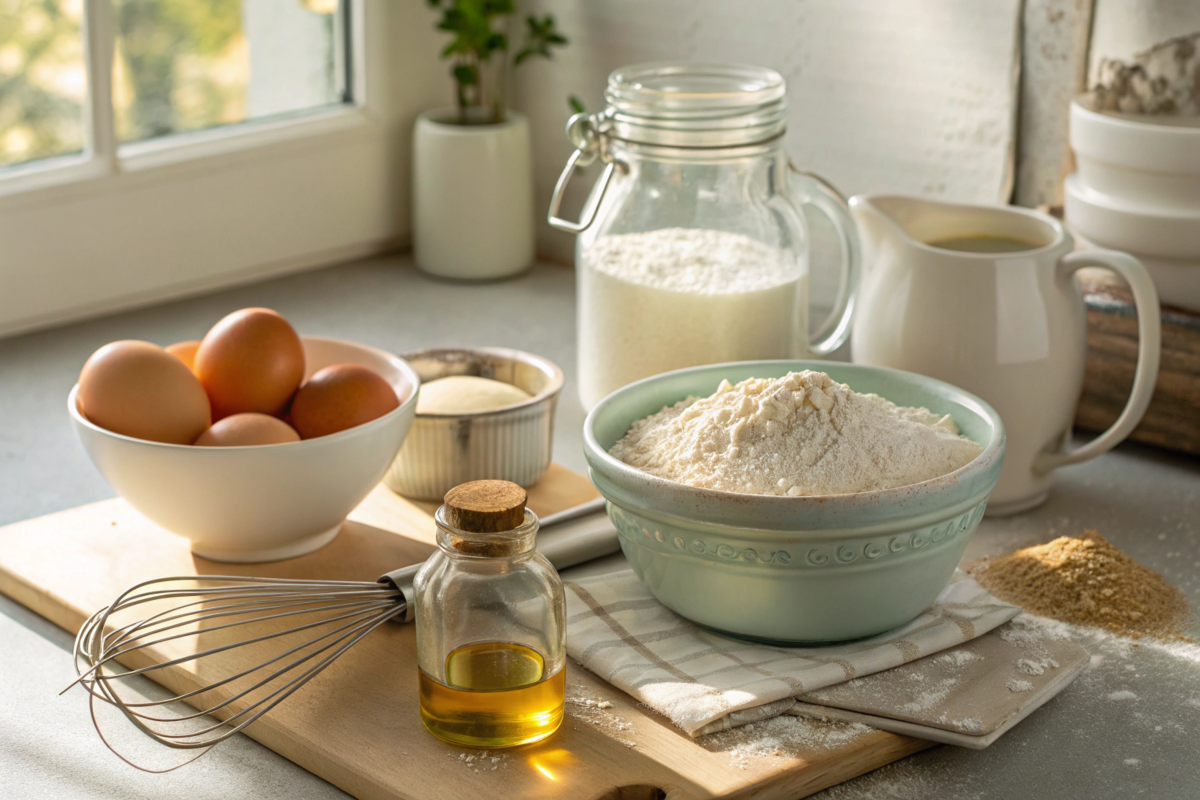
(356, 724)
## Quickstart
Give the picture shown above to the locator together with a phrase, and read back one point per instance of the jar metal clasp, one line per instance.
(585, 132)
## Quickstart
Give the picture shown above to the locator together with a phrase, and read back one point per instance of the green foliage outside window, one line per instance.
(170, 55)
(42, 84)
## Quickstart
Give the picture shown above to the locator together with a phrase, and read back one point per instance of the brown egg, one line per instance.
(140, 390)
(252, 360)
(245, 430)
(338, 397)
(184, 351)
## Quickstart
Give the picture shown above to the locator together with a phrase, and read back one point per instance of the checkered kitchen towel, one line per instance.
(704, 682)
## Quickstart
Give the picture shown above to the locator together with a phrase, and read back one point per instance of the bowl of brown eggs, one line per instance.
(254, 443)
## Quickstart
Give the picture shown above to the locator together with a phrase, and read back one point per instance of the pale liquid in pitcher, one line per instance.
(495, 695)
(983, 244)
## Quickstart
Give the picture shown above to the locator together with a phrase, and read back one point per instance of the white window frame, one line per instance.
(127, 224)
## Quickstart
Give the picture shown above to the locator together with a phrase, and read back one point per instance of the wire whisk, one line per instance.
(332, 616)
(288, 631)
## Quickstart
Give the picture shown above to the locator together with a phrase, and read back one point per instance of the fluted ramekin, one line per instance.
(511, 443)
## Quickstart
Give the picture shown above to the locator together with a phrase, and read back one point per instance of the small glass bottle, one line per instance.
(491, 628)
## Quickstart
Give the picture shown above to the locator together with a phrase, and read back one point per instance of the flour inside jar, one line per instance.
(680, 297)
(801, 434)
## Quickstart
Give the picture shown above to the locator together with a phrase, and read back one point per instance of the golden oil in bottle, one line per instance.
(495, 695)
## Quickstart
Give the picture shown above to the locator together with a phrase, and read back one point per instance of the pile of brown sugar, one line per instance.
(1087, 581)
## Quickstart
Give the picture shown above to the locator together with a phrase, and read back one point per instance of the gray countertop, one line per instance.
(1093, 741)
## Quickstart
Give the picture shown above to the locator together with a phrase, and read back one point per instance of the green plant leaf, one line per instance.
(576, 104)
(540, 36)
(466, 75)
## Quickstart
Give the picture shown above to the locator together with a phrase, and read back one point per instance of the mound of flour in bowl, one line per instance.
(802, 434)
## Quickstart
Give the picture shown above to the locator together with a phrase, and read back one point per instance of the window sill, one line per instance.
(70, 178)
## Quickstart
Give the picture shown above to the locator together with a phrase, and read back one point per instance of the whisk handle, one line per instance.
(402, 580)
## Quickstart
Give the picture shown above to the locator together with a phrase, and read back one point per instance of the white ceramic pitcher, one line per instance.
(1008, 326)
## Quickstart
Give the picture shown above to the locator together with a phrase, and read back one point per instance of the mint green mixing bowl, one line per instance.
(794, 569)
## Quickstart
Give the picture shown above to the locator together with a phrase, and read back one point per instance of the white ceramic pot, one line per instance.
(472, 197)
(1177, 280)
(1149, 162)
(267, 502)
(1123, 224)
(1137, 189)
(1167, 243)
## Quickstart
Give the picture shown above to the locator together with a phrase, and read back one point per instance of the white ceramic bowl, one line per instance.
(1120, 224)
(1177, 281)
(259, 503)
(1151, 162)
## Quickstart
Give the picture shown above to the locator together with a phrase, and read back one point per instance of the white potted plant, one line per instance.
(473, 216)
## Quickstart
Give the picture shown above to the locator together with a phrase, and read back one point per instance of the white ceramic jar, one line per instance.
(1137, 188)
(472, 197)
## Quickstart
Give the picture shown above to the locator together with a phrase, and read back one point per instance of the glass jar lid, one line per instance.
(680, 104)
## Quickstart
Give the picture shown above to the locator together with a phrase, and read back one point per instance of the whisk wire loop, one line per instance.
(343, 612)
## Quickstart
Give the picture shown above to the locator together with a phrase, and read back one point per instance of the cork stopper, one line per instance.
(489, 508)
(486, 506)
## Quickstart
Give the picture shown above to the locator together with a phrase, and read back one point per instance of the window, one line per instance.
(186, 65)
(155, 148)
(43, 80)
(178, 66)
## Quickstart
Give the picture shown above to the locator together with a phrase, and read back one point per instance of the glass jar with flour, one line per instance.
(693, 246)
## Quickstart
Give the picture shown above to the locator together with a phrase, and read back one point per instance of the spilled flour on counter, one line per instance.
(957, 658)
(482, 762)
(930, 696)
(1035, 666)
(802, 434)
(598, 712)
(784, 736)
(968, 725)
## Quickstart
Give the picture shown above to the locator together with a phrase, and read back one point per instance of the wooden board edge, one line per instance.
(40, 602)
(883, 748)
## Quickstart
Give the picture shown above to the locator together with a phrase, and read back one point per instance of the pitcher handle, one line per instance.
(816, 192)
(1145, 298)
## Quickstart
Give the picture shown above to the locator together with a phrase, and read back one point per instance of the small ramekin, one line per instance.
(511, 443)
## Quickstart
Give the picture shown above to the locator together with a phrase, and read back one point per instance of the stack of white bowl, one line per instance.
(1137, 189)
